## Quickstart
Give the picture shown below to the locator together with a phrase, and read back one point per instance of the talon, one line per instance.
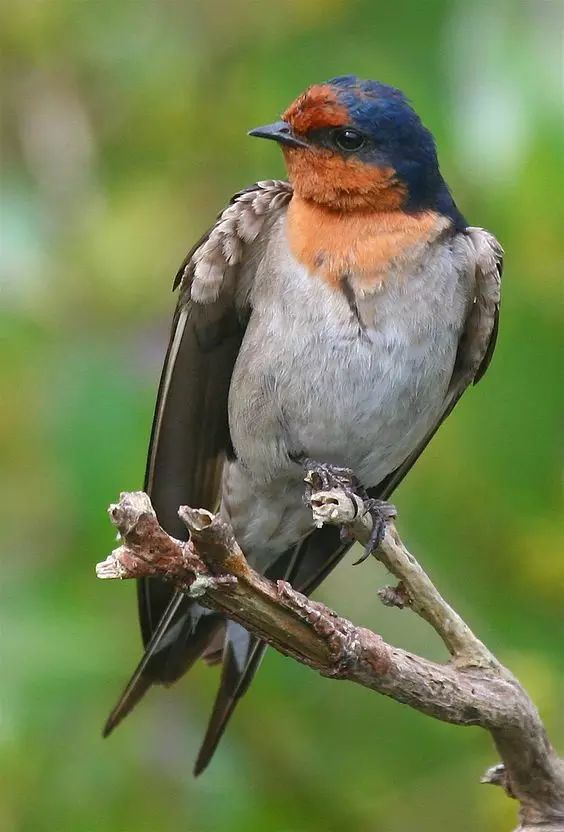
(323, 477)
(381, 513)
(366, 554)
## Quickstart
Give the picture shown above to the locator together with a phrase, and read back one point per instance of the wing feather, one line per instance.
(190, 434)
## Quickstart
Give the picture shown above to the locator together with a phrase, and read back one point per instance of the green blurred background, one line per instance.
(123, 134)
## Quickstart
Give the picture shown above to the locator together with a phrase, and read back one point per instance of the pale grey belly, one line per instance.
(368, 408)
(338, 397)
(308, 381)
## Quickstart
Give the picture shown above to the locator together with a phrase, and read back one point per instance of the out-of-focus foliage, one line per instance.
(124, 133)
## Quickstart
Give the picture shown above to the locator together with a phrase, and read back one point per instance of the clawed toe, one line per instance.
(324, 477)
(381, 514)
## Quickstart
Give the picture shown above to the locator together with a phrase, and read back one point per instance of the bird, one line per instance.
(335, 316)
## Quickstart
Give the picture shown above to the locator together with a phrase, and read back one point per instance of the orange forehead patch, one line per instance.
(317, 107)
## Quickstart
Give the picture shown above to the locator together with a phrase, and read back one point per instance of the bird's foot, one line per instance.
(323, 477)
(381, 514)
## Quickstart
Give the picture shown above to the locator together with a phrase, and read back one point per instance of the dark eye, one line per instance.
(348, 139)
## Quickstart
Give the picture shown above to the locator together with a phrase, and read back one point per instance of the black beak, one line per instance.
(280, 132)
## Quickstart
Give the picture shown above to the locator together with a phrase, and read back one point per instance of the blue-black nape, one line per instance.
(366, 86)
(398, 138)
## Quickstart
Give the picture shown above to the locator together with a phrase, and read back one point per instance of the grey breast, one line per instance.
(358, 388)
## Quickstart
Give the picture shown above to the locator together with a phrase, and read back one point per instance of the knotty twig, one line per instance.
(473, 688)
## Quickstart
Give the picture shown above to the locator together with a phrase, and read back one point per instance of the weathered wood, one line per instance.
(473, 688)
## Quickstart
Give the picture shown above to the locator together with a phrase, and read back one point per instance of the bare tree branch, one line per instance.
(472, 689)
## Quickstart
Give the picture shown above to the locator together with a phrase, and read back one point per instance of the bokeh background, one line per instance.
(124, 132)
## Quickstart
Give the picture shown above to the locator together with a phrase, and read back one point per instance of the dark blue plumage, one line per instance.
(397, 138)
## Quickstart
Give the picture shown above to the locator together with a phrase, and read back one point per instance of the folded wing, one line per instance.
(190, 435)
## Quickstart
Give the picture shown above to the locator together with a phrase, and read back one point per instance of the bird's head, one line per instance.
(351, 145)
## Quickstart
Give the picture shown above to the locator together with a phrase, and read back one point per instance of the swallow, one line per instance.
(336, 316)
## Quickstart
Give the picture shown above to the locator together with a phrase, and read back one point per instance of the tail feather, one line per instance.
(242, 655)
(306, 565)
(181, 644)
(133, 693)
(236, 676)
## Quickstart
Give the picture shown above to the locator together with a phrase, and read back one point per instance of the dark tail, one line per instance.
(183, 633)
(306, 564)
(242, 655)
